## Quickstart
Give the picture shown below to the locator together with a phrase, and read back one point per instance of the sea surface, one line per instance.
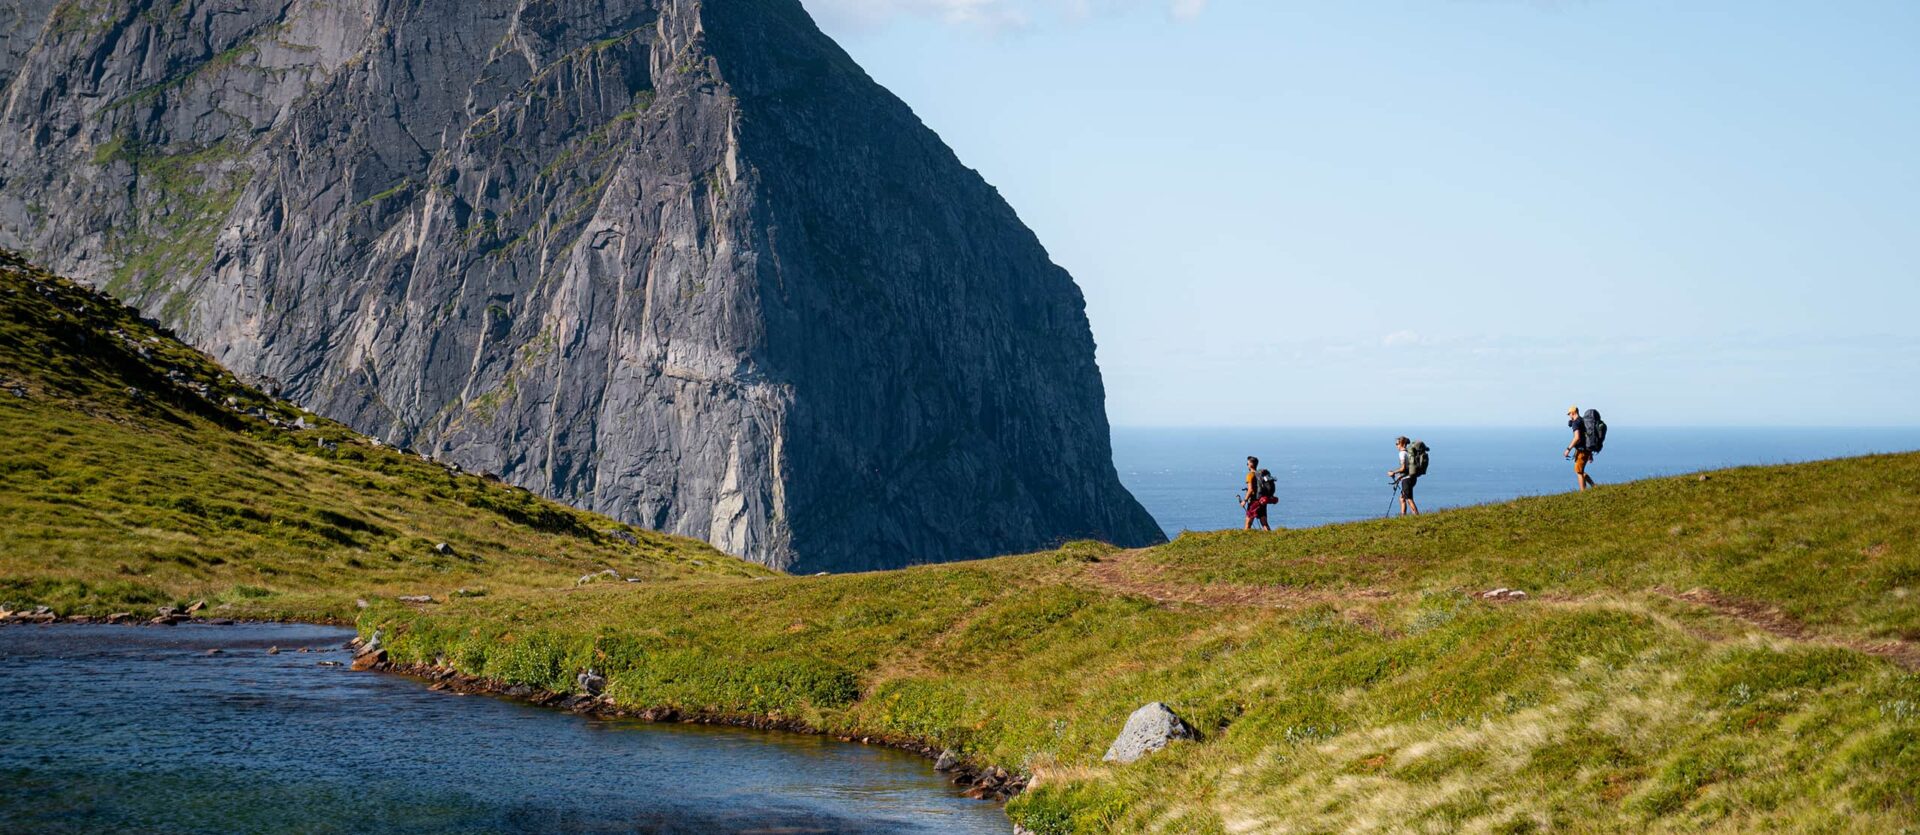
(1189, 479)
(138, 729)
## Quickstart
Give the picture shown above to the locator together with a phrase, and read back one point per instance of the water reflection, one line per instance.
(129, 728)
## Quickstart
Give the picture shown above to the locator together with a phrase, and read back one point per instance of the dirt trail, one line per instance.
(1126, 573)
(1779, 624)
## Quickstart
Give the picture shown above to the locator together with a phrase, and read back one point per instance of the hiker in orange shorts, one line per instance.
(1578, 449)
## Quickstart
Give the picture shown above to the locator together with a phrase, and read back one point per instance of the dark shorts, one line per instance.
(1406, 486)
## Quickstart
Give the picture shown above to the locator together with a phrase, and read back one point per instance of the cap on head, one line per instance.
(1573, 410)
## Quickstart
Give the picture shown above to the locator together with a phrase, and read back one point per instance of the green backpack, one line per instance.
(1417, 458)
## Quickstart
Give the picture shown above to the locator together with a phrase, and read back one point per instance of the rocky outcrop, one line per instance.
(1149, 729)
(678, 261)
(368, 654)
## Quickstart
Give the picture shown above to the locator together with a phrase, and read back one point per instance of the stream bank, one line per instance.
(201, 728)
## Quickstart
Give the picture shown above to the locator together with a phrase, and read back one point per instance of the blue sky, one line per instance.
(1451, 212)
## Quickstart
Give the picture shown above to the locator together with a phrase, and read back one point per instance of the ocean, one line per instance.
(1189, 478)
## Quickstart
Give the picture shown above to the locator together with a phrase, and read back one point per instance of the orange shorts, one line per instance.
(1580, 459)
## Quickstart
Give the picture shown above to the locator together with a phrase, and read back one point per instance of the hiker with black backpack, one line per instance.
(1259, 492)
(1413, 465)
(1589, 435)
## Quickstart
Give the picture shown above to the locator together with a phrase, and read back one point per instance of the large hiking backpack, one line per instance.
(1593, 430)
(1267, 486)
(1417, 458)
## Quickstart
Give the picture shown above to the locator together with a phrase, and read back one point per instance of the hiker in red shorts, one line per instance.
(1258, 493)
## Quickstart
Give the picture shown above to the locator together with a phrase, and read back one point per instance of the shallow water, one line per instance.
(1189, 478)
(111, 728)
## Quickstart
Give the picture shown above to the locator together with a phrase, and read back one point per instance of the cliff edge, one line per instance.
(680, 262)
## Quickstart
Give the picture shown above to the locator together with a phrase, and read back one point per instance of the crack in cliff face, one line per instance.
(680, 262)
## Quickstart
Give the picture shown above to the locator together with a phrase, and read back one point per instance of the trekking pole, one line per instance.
(1393, 495)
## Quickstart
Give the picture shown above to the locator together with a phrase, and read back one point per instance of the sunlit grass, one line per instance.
(1604, 702)
(1728, 654)
(123, 488)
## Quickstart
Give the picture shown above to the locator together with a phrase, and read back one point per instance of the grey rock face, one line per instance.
(677, 261)
(1149, 729)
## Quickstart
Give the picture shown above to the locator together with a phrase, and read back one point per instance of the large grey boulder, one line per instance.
(1149, 729)
(678, 261)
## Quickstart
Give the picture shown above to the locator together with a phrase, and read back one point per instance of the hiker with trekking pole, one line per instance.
(1259, 492)
(1413, 465)
(1589, 434)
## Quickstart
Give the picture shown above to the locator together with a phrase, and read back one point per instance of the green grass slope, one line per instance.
(1733, 653)
(1728, 654)
(135, 472)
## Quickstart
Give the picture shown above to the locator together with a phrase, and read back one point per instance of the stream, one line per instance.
(140, 729)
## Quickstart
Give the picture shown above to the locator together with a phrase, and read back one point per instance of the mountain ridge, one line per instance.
(679, 262)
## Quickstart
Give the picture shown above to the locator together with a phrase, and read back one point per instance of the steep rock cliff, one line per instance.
(680, 261)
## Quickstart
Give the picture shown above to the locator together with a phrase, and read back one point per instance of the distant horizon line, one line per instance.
(1387, 427)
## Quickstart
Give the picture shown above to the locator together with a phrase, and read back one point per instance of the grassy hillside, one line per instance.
(1735, 653)
(135, 472)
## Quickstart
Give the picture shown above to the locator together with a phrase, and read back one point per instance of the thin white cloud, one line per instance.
(987, 14)
(1400, 338)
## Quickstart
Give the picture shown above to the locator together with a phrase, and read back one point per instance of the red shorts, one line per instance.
(1257, 509)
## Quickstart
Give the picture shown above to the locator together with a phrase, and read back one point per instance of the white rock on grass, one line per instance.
(1149, 729)
(588, 578)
